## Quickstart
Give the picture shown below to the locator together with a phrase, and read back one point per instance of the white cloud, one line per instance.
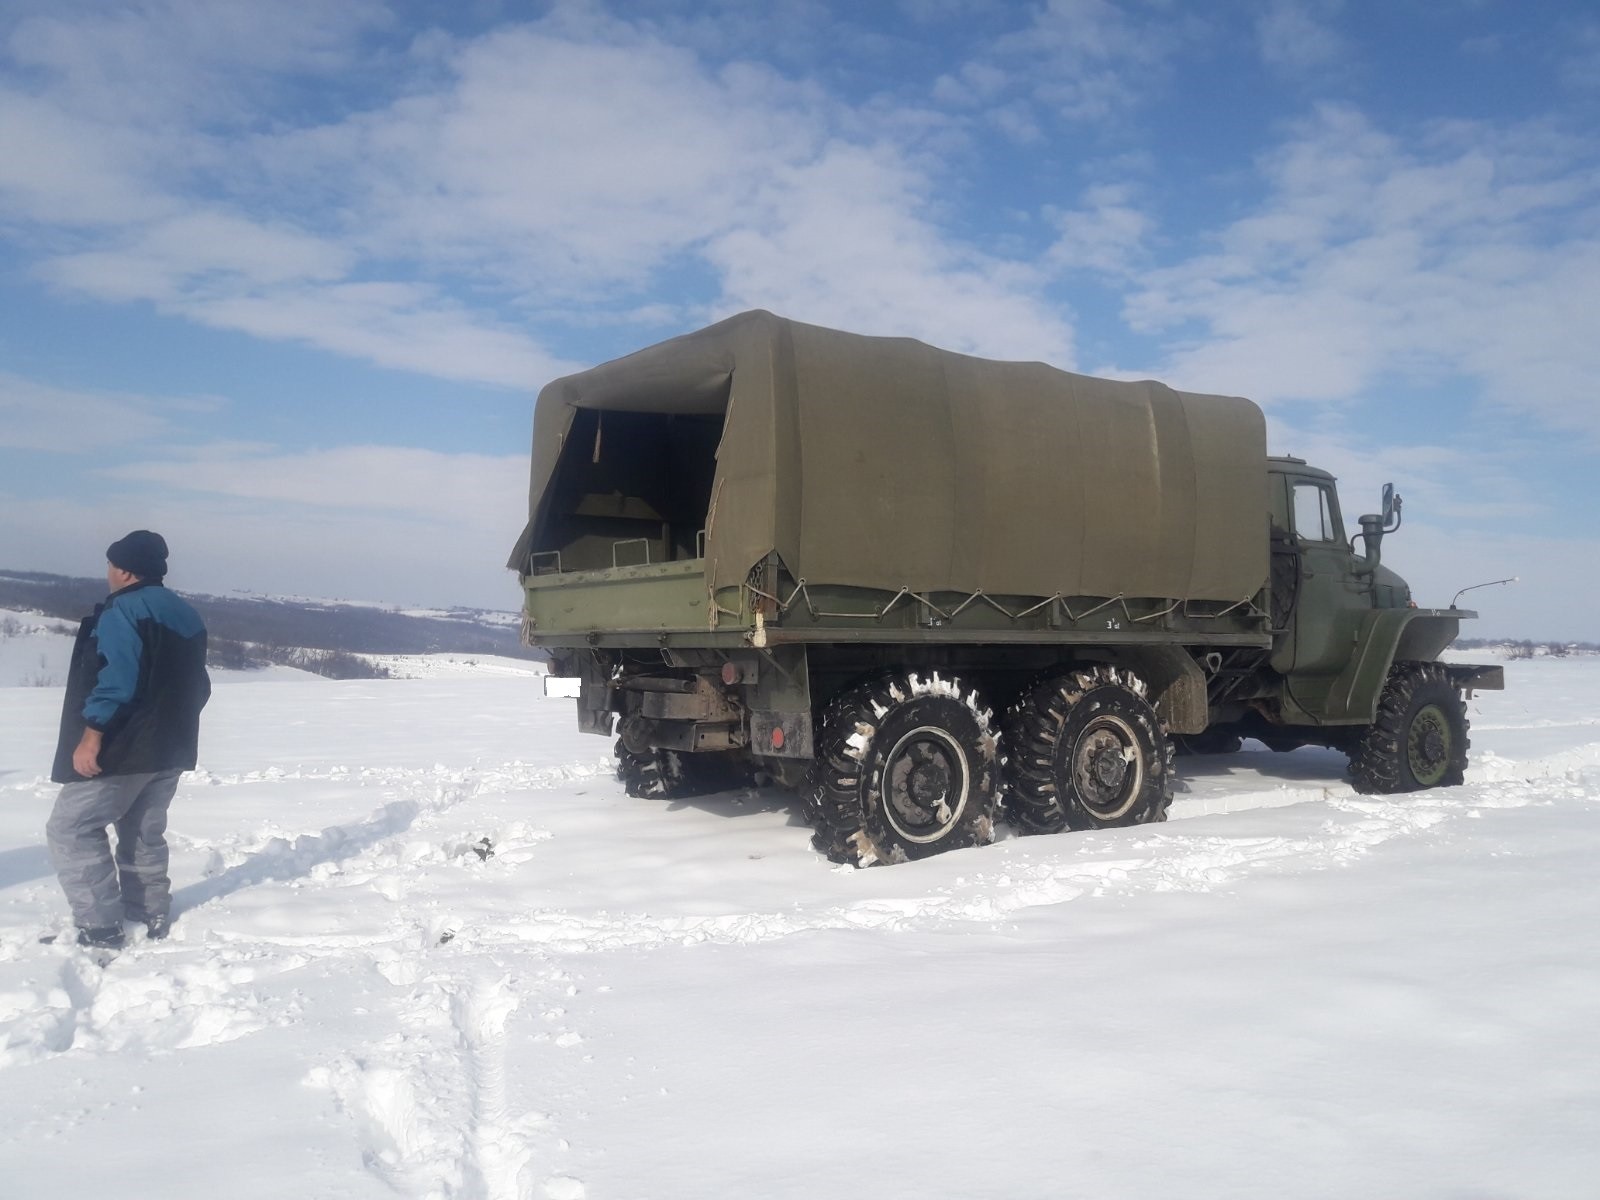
(402, 326)
(279, 284)
(1108, 234)
(1428, 474)
(1295, 36)
(565, 164)
(357, 522)
(839, 242)
(1470, 254)
(62, 170)
(208, 62)
(573, 163)
(38, 416)
(115, 145)
(197, 256)
(1076, 60)
(1579, 56)
(400, 479)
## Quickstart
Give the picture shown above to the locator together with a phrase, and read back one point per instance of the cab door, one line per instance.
(1330, 601)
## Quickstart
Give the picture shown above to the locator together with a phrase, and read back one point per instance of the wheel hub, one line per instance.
(928, 783)
(924, 784)
(1106, 770)
(1107, 764)
(1428, 747)
(1432, 745)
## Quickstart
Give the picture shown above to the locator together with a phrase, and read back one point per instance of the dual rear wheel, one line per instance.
(907, 765)
(1085, 750)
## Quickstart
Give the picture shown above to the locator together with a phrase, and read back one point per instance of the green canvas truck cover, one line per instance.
(886, 463)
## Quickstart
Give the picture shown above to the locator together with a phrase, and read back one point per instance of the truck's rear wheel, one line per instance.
(1085, 750)
(1419, 739)
(668, 775)
(907, 766)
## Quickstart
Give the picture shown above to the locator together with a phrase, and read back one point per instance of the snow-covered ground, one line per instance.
(1286, 991)
(456, 666)
(34, 649)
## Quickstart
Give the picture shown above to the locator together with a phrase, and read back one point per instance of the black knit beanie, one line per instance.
(141, 553)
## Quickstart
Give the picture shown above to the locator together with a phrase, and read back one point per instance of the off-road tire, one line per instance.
(1419, 739)
(907, 766)
(669, 775)
(1064, 737)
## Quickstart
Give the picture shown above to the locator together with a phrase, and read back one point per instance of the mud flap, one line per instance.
(781, 734)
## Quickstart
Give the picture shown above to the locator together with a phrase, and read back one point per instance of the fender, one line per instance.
(1388, 635)
(1177, 685)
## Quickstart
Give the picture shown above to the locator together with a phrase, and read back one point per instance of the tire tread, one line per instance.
(1377, 761)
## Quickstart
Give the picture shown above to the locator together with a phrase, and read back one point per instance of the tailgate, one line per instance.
(647, 598)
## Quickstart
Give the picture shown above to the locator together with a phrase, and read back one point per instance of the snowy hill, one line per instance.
(1288, 990)
(278, 621)
(35, 651)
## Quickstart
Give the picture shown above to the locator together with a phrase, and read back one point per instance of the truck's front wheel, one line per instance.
(1085, 750)
(1420, 737)
(906, 767)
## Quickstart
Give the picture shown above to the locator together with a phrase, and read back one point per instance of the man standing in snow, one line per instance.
(129, 727)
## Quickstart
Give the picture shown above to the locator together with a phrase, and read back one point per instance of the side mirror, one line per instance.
(1388, 502)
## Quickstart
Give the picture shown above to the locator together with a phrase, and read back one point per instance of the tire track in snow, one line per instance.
(498, 1147)
(1021, 873)
(281, 859)
(1051, 870)
(432, 1105)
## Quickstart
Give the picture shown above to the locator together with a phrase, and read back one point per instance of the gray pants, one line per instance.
(101, 891)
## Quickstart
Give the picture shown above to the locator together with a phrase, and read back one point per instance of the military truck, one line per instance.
(931, 591)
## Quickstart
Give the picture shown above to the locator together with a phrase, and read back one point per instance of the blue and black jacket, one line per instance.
(138, 675)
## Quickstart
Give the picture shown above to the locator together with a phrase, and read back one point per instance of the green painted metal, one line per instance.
(641, 599)
(1385, 635)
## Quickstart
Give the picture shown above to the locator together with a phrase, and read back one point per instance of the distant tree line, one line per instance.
(1526, 648)
(227, 655)
(249, 632)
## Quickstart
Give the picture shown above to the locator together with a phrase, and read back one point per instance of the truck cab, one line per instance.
(1330, 584)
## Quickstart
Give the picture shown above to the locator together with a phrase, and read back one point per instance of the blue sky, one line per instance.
(281, 280)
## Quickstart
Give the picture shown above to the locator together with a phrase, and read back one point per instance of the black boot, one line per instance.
(156, 927)
(108, 938)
